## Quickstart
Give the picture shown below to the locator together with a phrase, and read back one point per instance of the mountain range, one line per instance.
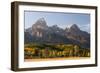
(40, 32)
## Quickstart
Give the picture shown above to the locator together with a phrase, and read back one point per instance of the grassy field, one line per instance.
(54, 51)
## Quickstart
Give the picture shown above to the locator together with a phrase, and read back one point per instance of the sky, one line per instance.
(63, 20)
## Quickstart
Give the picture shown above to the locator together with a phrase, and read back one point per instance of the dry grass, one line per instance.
(52, 59)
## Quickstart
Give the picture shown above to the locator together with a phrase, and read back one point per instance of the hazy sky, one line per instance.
(63, 20)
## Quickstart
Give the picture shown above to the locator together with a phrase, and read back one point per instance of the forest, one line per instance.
(41, 51)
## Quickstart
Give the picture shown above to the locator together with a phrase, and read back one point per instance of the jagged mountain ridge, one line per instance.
(40, 32)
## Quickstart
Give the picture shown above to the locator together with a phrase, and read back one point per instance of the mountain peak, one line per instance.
(74, 27)
(41, 19)
(40, 23)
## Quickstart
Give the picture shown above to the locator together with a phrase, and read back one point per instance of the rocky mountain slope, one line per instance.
(40, 32)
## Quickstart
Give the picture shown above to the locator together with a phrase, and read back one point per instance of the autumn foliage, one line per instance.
(35, 51)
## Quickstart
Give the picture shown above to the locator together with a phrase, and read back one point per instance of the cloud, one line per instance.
(85, 27)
